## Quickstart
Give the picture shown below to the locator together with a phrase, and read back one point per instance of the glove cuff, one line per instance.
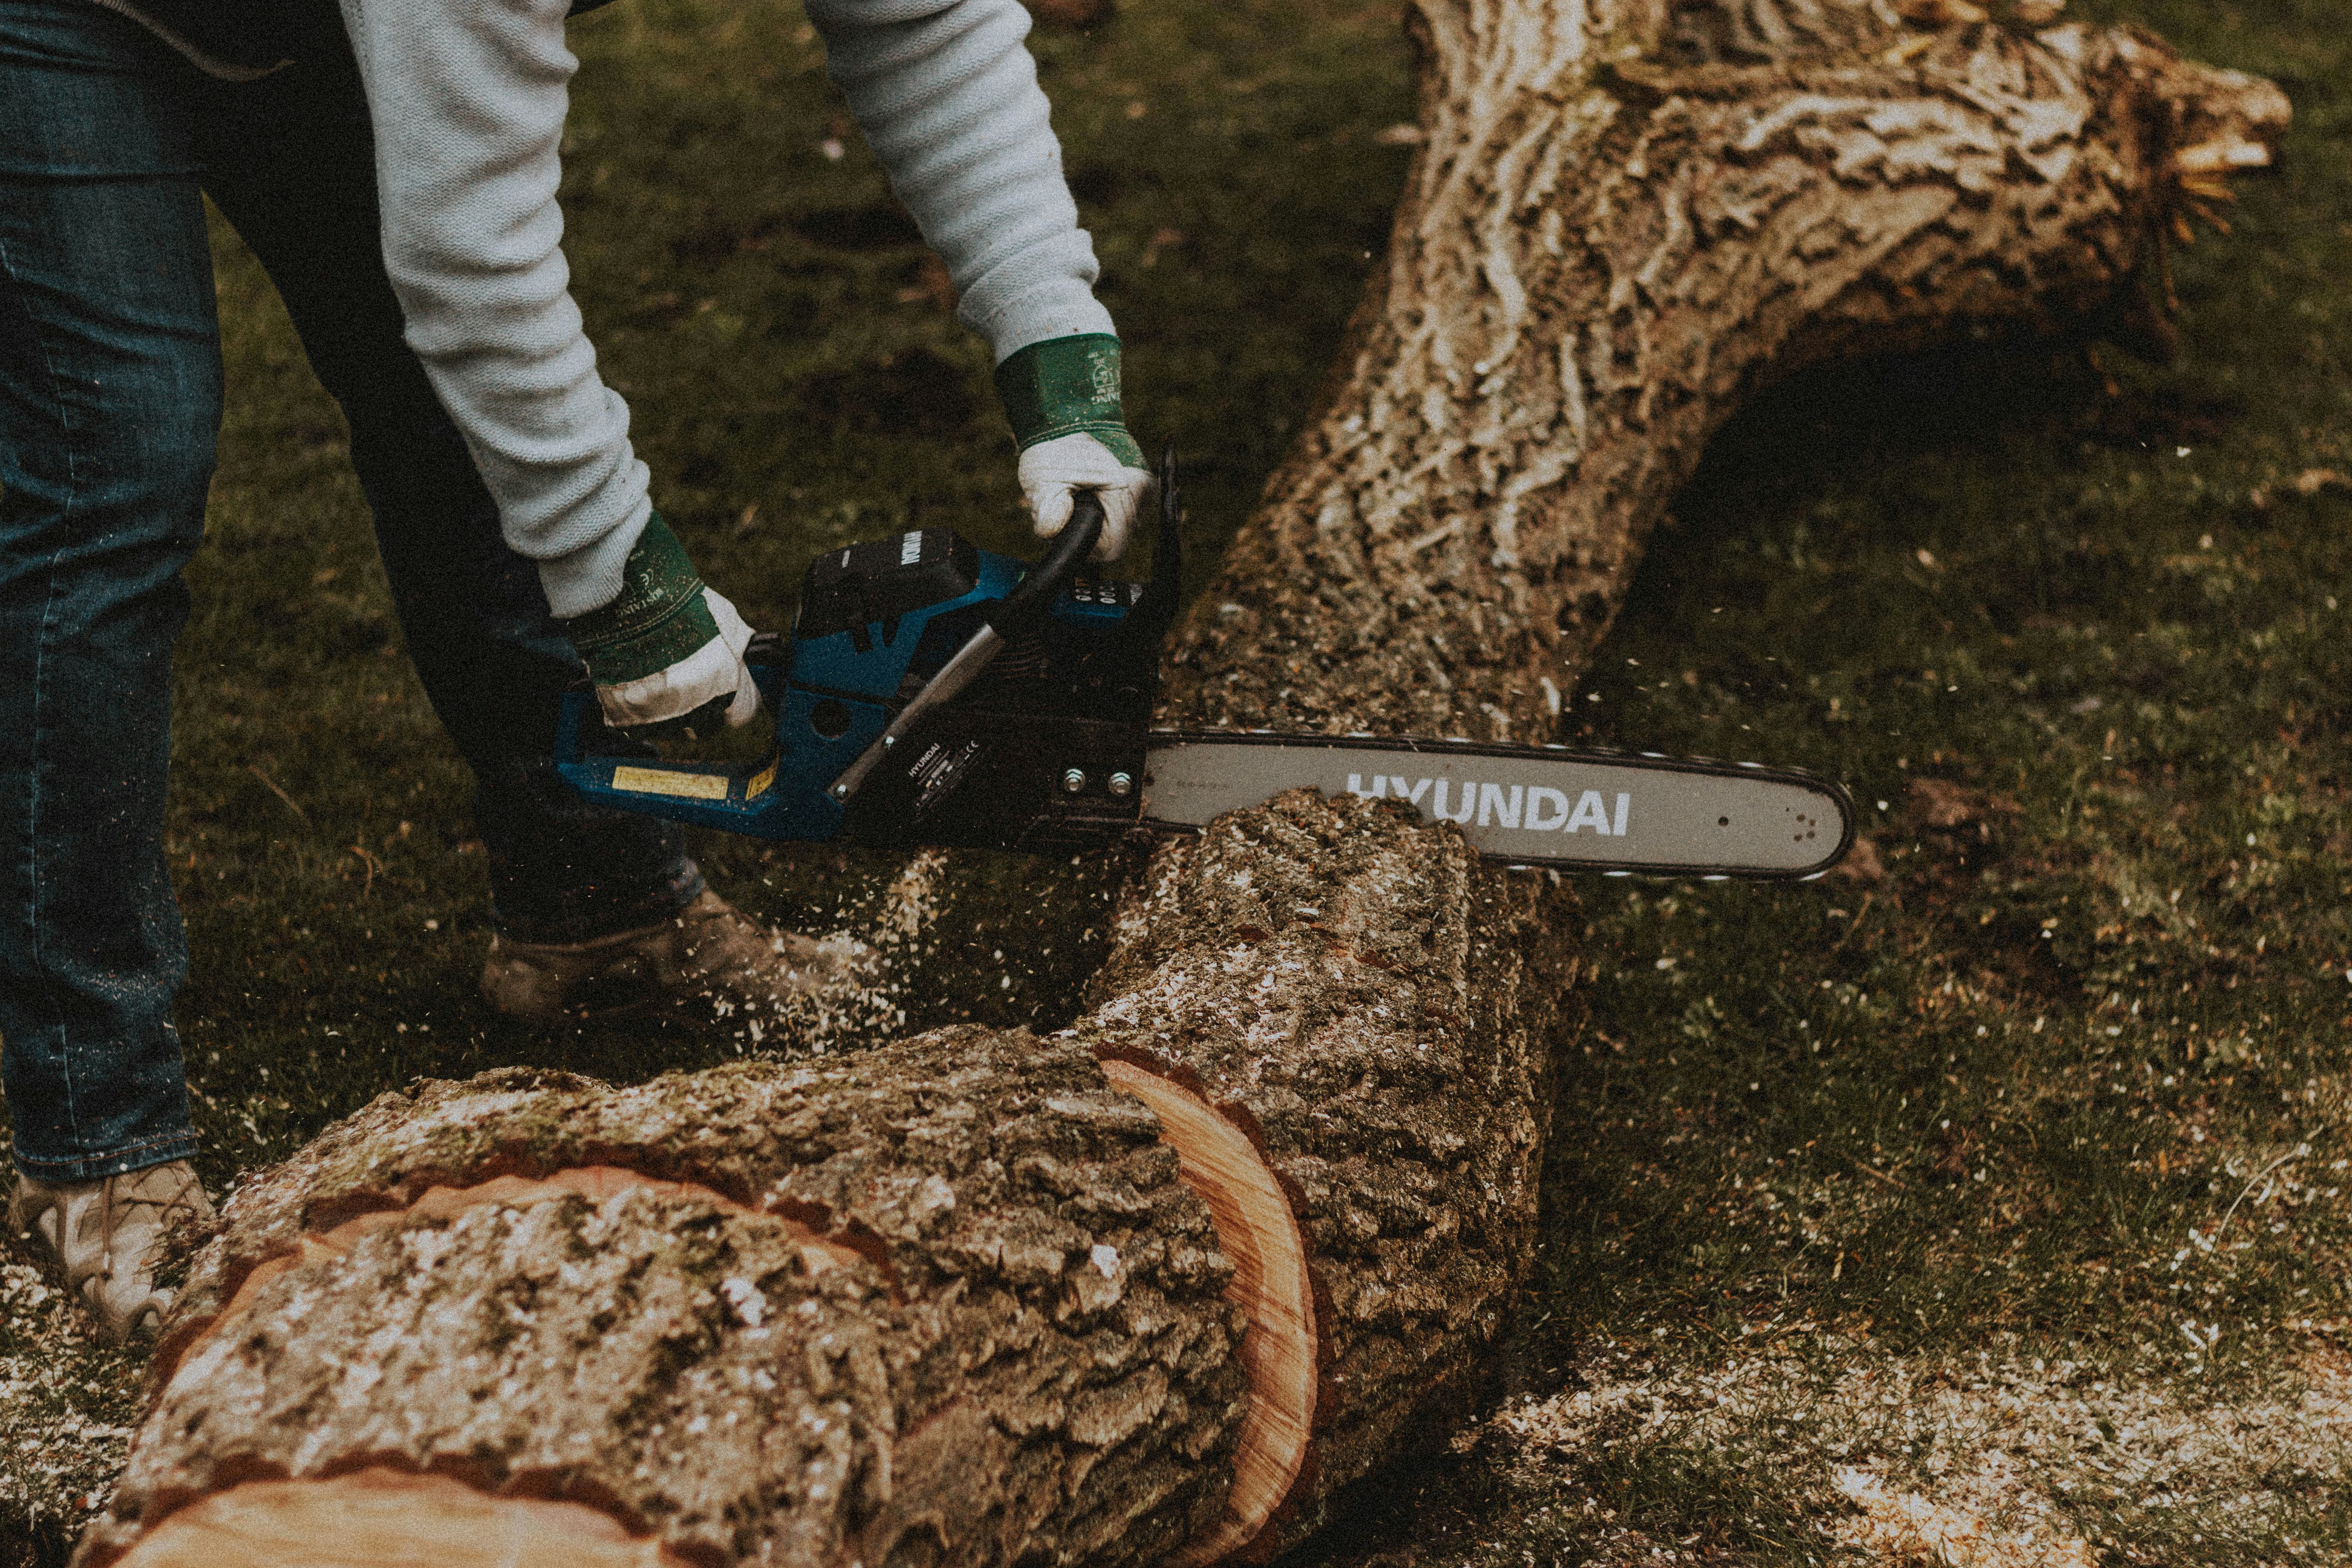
(659, 618)
(1066, 386)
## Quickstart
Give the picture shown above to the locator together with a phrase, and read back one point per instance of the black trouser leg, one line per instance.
(289, 160)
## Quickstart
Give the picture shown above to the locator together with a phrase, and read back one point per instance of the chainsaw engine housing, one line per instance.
(1044, 751)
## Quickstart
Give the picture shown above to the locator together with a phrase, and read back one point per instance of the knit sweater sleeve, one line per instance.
(468, 99)
(947, 93)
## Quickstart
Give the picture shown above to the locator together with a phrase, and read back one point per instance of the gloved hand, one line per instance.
(1063, 398)
(667, 649)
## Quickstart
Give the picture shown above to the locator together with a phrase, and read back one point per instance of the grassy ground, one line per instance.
(1987, 1202)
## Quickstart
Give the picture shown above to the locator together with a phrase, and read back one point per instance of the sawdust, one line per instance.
(64, 1407)
(858, 995)
(1999, 1460)
(911, 902)
(1909, 1528)
(862, 1003)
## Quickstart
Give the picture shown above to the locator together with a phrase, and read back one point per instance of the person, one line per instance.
(394, 168)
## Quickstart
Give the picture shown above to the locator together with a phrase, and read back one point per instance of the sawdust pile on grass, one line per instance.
(1910, 1527)
(65, 1408)
(1999, 1460)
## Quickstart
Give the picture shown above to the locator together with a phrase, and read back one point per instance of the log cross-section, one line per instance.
(376, 1516)
(1160, 1289)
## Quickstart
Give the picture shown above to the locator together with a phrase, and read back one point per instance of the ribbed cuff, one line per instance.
(1066, 386)
(589, 578)
(1012, 314)
(659, 618)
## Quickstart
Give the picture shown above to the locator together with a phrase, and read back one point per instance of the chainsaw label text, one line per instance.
(666, 781)
(1533, 809)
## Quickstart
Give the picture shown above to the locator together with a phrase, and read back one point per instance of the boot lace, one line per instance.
(115, 1205)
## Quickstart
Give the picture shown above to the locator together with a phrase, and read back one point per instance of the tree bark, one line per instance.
(962, 1298)
(1624, 219)
(1155, 1289)
(880, 1309)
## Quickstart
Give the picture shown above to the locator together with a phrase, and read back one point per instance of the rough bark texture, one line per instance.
(1625, 218)
(1013, 1342)
(873, 1324)
(1377, 1009)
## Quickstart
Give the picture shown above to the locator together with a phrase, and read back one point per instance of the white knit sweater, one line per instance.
(468, 99)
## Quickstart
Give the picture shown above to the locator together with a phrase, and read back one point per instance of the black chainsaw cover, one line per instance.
(1044, 751)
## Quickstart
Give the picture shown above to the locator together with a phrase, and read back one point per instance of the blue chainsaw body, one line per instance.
(1069, 695)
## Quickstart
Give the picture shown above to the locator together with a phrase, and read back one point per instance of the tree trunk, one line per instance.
(973, 1296)
(1623, 219)
(1157, 1288)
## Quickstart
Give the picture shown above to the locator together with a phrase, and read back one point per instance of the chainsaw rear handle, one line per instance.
(1068, 551)
(577, 712)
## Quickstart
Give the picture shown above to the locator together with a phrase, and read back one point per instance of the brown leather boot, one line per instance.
(103, 1236)
(710, 951)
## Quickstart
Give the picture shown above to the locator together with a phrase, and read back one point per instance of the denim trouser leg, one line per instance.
(109, 395)
(109, 400)
(289, 160)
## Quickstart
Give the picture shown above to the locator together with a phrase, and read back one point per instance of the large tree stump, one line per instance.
(1158, 1287)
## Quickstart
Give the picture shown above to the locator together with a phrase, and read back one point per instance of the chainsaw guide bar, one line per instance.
(1526, 805)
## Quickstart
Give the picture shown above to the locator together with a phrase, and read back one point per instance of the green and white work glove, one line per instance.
(1062, 396)
(668, 648)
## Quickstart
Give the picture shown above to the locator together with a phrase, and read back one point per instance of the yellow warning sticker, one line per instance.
(760, 782)
(661, 781)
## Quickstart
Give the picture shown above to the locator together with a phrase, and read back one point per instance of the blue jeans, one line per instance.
(110, 402)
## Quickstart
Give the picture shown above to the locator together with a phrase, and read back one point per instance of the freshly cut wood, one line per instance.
(381, 1515)
(950, 1297)
(966, 1287)
(1260, 1236)
(976, 1298)
(374, 1517)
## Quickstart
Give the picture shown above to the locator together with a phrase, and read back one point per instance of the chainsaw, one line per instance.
(934, 694)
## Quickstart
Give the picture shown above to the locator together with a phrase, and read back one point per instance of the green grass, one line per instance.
(1965, 1134)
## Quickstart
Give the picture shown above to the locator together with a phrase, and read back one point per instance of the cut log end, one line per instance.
(1260, 1235)
(380, 1517)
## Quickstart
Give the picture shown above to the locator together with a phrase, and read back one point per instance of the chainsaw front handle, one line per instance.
(1030, 597)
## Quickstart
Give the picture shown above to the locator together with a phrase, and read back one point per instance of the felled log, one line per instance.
(759, 1313)
(973, 1296)
(1158, 1287)
(1625, 219)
